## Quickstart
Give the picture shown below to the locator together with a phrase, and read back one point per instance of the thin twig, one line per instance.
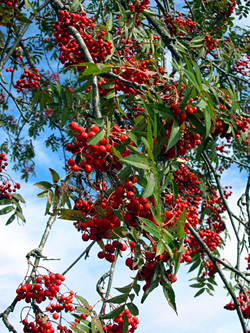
(85, 252)
(248, 206)
(15, 101)
(230, 159)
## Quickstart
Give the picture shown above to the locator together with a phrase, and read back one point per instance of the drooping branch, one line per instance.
(216, 177)
(222, 276)
(248, 206)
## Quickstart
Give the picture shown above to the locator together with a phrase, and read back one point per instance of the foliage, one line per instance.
(150, 104)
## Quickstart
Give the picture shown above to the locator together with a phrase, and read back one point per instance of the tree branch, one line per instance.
(15, 101)
(216, 177)
(222, 276)
(85, 52)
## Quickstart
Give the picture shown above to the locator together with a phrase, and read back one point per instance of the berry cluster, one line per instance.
(69, 48)
(28, 80)
(185, 26)
(139, 6)
(244, 301)
(45, 287)
(117, 326)
(109, 250)
(98, 156)
(210, 43)
(242, 66)
(11, 3)
(6, 182)
(221, 127)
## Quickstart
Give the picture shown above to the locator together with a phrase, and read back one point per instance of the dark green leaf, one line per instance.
(201, 291)
(138, 161)
(118, 299)
(54, 175)
(6, 210)
(133, 309)
(114, 313)
(96, 138)
(43, 185)
(10, 219)
(174, 136)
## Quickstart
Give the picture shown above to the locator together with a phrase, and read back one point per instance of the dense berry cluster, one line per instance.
(69, 48)
(244, 301)
(178, 25)
(139, 6)
(6, 182)
(118, 323)
(221, 126)
(242, 66)
(98, 156)
(28, 80)
(45, 287)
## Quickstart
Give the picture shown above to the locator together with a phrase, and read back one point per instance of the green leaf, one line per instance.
(93, 330)
(10, 219)
(83, 301)
(207, 121)
(169, 294)
(18, 197)
(109, 24)
(194, 266)
(98, 324)
(150, 227)
(175, 189)
(118, 299)
(91, 68)
(125, 323)
(133, 309)
(20, 215)
(125, 289)
(43, 185)
(6, 210)
(149, 189)
(138, 161)
(70, 214)
(136, 287)
(54, 175)
(154, 284)
(159, 249)
(97, 138)
(114, 313)
(5, 201)
(174, 136)
(192, 78)
(201, 291)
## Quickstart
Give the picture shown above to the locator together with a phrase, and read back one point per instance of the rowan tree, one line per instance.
(149, 102)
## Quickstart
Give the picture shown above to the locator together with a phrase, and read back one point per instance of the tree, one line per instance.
(149, 103)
